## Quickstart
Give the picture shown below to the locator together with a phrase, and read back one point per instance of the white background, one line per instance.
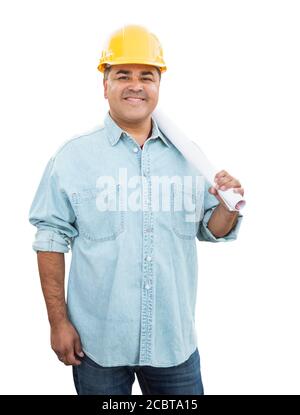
(233, 84)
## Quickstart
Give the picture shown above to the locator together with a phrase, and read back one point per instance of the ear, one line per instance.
(105, 88)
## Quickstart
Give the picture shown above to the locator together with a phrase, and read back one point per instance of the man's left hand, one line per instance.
(224, 181)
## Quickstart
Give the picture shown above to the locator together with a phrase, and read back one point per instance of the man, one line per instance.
(133, 275)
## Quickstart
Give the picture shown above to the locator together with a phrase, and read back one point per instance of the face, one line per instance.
(132, 91)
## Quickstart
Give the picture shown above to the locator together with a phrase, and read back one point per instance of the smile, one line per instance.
(134, 100)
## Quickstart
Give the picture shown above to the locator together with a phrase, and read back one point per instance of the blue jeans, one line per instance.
(183, 379)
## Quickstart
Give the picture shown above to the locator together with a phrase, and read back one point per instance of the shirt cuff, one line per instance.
(204, 234)
(46, 240)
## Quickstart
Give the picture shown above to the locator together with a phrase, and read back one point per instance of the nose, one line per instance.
(135, 88)
(135, 85)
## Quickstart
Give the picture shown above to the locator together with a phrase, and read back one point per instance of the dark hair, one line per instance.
(108, 68)
(106, 72)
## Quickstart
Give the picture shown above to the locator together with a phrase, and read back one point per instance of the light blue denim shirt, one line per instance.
(133, 275)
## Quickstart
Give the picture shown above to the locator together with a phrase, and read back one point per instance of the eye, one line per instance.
(123, 77)
(147, 79)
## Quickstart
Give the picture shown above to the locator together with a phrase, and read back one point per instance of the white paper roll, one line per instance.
(193, 153)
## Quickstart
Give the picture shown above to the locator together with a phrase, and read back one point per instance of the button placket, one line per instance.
(147, 277)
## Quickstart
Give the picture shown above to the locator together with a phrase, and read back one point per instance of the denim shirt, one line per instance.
(133, 274)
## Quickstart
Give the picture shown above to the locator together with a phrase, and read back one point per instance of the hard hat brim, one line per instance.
(102, 65)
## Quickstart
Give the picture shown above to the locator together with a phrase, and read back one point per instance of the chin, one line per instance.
(136, 114)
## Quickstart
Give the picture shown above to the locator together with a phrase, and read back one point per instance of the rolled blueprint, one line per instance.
(193, 153)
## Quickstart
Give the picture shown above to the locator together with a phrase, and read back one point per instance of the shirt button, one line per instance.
(147, 285)
(135, 149)
(148, 258)
(148, 229)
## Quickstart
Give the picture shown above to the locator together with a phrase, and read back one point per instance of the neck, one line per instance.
(140, 131)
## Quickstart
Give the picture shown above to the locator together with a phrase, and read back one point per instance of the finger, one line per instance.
(239, 190)
(232, 183)
(220, 174)
(226, 184)
(216, 194)
(62, 358)
(78, 347)
(71, 360)
(59, 355)
(223, 181)
(213, 191)
(223, 177)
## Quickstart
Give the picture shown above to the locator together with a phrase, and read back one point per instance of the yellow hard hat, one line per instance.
(132, 44)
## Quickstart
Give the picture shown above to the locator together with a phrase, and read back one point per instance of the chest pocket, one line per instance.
(99, 217)
(187, 208)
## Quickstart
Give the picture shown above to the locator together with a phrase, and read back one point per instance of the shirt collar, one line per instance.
(115, 132)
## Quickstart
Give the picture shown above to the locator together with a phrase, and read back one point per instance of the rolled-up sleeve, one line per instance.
(204, 234)
(52, 214)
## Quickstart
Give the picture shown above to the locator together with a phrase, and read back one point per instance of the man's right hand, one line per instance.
(66, 343)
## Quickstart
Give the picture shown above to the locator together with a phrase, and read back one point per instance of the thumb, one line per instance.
(78, 348)
(212, 190)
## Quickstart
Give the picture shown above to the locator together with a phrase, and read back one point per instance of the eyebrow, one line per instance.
(123, 71)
